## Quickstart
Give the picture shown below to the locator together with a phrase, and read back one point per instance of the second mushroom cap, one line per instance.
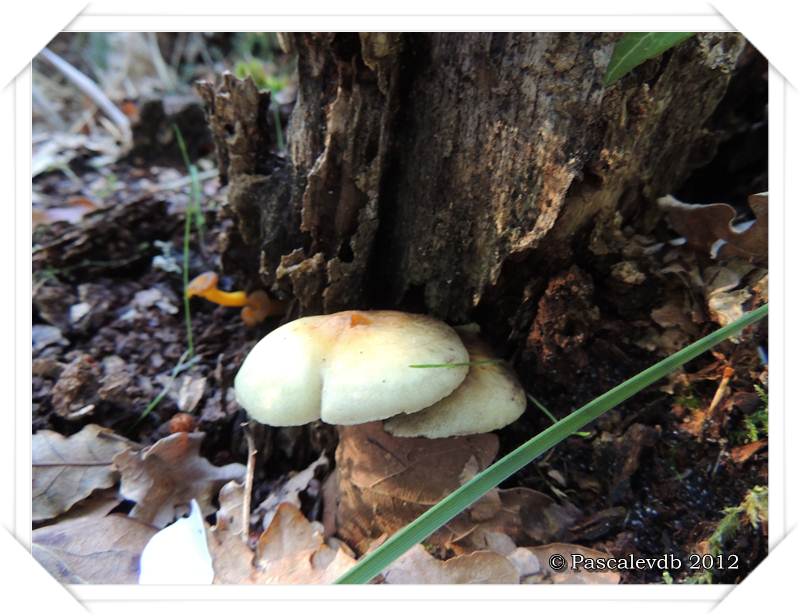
(488, 399)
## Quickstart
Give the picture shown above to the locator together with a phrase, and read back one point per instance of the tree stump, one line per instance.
(468, 176)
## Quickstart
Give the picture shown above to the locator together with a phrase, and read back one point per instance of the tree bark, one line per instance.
(446, 172)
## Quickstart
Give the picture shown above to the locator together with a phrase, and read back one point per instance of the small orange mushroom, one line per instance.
(205, 285)
(259, 307)
(256, 306)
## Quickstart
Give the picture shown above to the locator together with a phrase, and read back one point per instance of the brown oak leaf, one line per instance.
(710, 227)
(67, 470)
(163, 478)
(92, 550)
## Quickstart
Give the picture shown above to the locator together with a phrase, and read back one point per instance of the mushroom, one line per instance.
(349, 368)
(489, 398)
(356, 369)
(256, 306)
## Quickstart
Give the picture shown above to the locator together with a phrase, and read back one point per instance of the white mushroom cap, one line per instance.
(488, 399)
(349, 368)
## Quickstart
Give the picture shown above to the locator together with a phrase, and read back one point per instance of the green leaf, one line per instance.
(634, 48)
(449, 507)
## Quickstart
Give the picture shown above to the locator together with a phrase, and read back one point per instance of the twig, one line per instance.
(727, 373)
(248, 481)
(722, 389)
(92, 90)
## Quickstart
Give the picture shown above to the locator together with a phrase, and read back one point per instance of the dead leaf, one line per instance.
(92, 550)
(726, 301)
(403, 466)
(417, 566)
(624, 453)
(76, 386)
(386, 481)
(546, 573)
(743, 453)
(289, 491)
(674, 314)
(99, 505)
(163, 478)
(71, 214)
(191, 392)
(67, 470)
(710, 228)
(230, 555)
(522, 514)
(293, 551)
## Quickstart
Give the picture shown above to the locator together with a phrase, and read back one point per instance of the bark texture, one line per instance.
(445, 172)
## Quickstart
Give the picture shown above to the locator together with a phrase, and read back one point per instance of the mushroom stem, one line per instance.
(205, 286)
(259, 306)
(232, 299)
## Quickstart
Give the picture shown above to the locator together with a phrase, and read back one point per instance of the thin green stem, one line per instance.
(193, 210)
(552, 417)
(187, 313)
(542, 408)
(477, 362)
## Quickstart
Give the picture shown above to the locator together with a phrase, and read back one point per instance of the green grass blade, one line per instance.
(477, 362)
(191, 212)
(438, 515)
(634, 48)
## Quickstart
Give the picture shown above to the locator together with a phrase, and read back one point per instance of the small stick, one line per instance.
(248, 481)
(727, 374)
(722, 388)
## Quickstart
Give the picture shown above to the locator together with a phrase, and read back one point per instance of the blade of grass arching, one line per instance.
(449, 507)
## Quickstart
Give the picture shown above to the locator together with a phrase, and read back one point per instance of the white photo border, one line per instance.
(16, 474)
